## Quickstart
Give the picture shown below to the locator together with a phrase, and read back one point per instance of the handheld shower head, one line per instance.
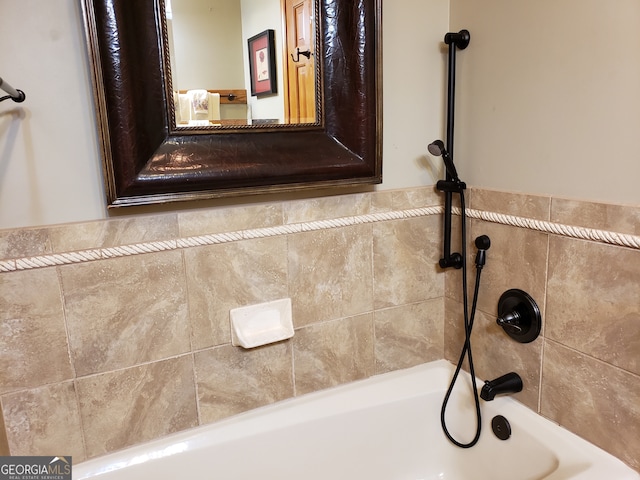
(437, 149)
(482, 244)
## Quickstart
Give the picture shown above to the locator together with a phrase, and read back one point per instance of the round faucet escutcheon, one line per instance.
(519, 315)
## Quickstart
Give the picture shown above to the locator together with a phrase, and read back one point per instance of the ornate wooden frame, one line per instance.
(148, 161)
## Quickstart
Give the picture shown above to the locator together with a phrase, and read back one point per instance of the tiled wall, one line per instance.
(583, 372)
(100, 354)
(97, 355)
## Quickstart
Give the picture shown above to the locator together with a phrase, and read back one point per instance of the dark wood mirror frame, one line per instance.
(146, 163)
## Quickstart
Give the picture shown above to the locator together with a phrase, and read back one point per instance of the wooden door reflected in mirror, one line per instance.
(300, 80)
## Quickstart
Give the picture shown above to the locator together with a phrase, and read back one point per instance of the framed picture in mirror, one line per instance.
(262, 64)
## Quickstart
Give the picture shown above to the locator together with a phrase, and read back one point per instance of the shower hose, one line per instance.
(468, 326)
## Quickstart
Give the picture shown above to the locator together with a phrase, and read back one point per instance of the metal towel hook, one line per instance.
(15, 95)
(306, 53)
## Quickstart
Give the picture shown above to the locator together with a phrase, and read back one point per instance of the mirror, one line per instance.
(209, 44)
(146, 160)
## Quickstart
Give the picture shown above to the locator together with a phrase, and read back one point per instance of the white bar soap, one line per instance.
(261, 324)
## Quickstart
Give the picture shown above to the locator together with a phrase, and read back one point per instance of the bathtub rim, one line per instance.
(365, 393)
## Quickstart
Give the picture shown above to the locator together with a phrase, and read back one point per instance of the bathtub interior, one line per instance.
(386, 427)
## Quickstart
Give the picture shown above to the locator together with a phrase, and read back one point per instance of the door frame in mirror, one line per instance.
(144, 162)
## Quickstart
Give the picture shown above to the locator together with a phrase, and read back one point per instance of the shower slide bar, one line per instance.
(452, 183)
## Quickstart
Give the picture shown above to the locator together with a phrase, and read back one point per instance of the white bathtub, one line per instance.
(386, 427)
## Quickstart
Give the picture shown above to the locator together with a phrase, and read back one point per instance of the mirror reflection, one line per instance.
(243, 62)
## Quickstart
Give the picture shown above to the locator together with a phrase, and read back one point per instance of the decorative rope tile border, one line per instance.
(583, 233)
(82, 256)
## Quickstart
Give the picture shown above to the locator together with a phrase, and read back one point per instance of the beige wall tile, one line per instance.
(382, 201)
(223, 277)
(406, 254)
(494, 352)
(409, 335)
(453, 330)
(453, 276)
(229, 219)
(333, 353)
(232, 380)
(125, 311)
(330, 274)
(509, 203)
(114, 232)
(415, 198)
(33, 340)
(593, 302)
(27, 242)
(406, 198)
(44, 421)
(616, 218)
(516, 259)
(323, 208)
(134, 405)
(597, 401)
(4, 441)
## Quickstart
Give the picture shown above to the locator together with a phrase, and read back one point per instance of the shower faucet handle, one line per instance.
(510, 321)
(519, 315)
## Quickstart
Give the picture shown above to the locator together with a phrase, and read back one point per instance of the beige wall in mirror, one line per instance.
(209, 56)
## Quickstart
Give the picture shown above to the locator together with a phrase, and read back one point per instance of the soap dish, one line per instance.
(261, 324)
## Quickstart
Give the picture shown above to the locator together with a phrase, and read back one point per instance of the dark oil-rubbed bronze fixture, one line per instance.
(306, 53)
(451, 184)
(14, 94)
(519, 315)
(501, 427)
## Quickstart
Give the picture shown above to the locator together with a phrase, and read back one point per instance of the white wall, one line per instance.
(414, 95)
(548, 102)
(50, 170)
(208, 44)
(258, 16)
(549, 97)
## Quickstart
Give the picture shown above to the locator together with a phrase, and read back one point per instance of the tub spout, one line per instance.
(509, 383)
